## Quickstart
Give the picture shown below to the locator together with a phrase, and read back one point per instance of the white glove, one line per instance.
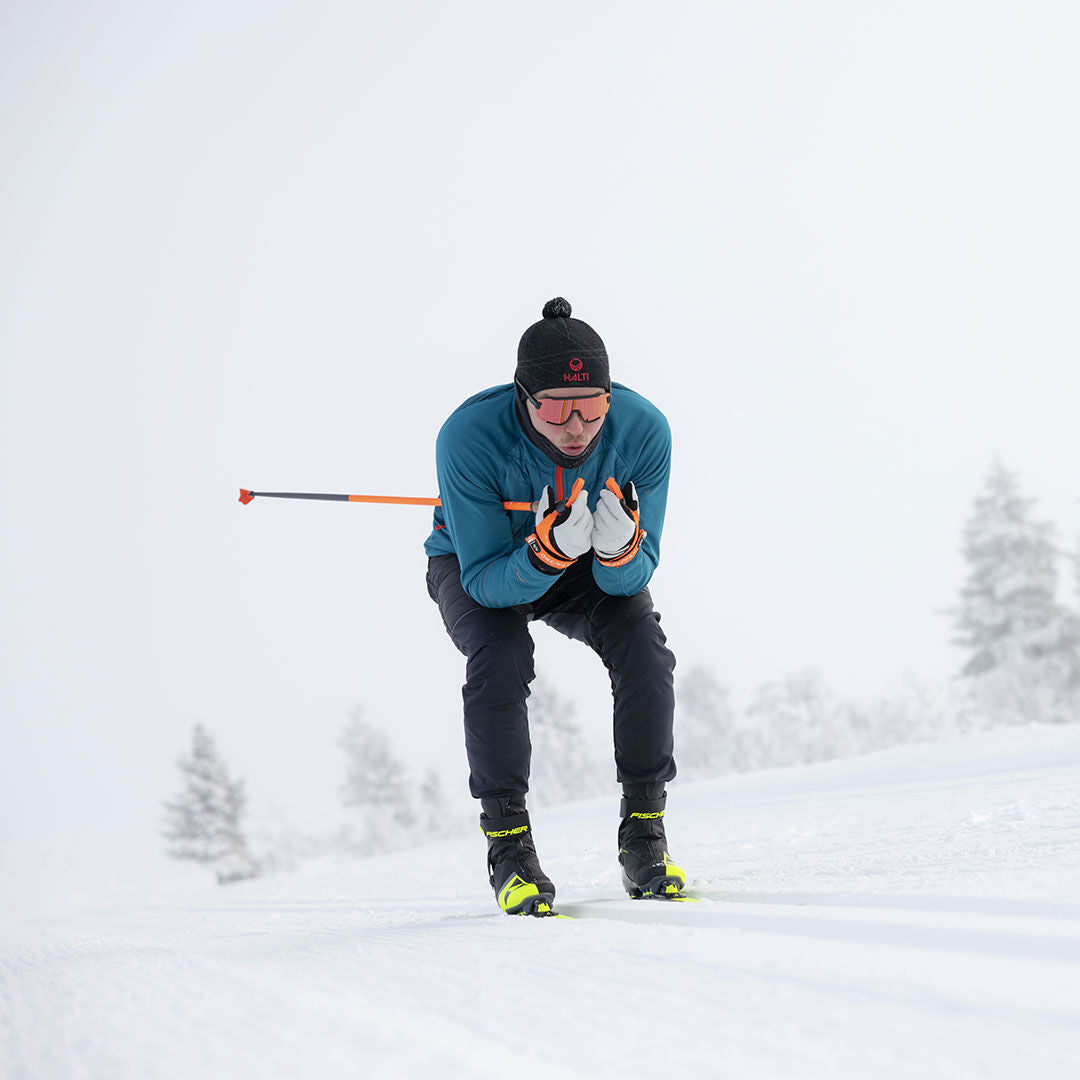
(617, 532)
(563, 533)
(573, 537)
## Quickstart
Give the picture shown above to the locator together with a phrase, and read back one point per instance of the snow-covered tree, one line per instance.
(203, 822)
(377, 787)
(1076, 572)
(436, 818)
(1024, 662)
(793, 721)
(917, 712)
(562, 768)
(705, 741)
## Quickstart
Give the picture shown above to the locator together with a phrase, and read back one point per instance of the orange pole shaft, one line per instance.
(404, 500)
(409, 500)
(400, 500)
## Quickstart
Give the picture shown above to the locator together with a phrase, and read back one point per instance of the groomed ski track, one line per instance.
(914, 913)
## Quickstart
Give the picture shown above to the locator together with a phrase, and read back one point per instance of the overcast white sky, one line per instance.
(273, 245)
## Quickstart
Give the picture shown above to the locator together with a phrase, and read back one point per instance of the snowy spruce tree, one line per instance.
(562, 768)
(706, 740)
(794, 720)
(376, 786)
(1024, 647)
(436, 818)
(203, 823)
(917, 712)
(1076, 574)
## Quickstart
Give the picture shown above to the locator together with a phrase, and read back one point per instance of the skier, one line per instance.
(595, 456)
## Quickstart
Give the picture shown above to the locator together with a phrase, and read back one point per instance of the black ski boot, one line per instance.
(521, 887)
(647, 869)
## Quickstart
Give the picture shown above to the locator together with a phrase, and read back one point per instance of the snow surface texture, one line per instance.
(914, 913)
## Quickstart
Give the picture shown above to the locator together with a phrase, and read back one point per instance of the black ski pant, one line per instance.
(624, 631)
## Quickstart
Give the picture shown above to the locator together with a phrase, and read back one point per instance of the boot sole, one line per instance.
(539, 906)
(663, 887)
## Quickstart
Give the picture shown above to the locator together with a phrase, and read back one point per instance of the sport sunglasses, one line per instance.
(559, 410)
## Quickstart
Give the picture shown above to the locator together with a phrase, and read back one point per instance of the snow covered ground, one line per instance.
(914, 913)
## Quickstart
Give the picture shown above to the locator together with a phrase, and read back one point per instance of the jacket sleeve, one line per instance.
(650, 476)
(495, 569)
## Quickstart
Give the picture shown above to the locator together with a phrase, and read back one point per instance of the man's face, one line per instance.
(573, 437)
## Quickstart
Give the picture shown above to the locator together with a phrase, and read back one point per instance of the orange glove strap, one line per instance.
(542, 544)
(624, 557)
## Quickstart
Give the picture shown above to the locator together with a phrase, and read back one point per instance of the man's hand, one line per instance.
(617, 532)
(563, 530)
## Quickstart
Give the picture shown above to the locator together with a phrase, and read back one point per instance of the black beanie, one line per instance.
(560, 351)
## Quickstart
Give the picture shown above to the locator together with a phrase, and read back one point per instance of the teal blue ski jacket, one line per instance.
(483, 458)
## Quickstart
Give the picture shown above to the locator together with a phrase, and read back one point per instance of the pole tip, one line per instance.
(246, 496)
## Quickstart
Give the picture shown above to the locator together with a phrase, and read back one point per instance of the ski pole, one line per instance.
(401, 500)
